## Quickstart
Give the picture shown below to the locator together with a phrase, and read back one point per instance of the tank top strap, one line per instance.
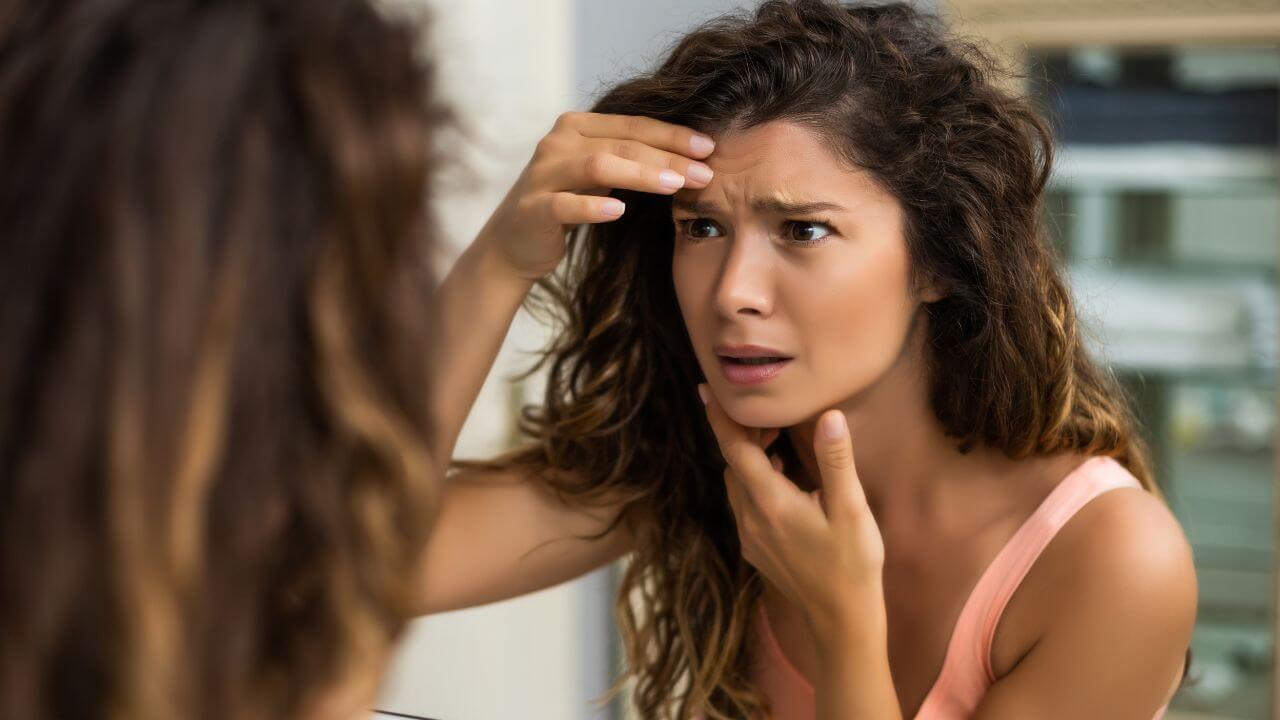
(966, 672)
(1092, 478)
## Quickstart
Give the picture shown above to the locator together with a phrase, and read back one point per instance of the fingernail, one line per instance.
(700, 173)
(671, 179)
(833, 425)
(702, 393)
(613, 207)
(702, 144)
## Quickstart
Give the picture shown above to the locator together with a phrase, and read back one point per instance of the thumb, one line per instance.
(833, 448)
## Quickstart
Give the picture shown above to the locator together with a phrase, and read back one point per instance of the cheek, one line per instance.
(858, 322)
(681, 280)
(693, 287)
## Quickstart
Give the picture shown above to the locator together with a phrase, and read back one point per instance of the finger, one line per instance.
(740, 506)
(820, 500)
(566, 208)
(666, 136)
(833, 447)
(733, 489)
(696, 174)
(768, 436)
(602, 169)
(745, 456)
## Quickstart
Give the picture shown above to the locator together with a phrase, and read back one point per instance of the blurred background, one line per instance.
(1164, 201)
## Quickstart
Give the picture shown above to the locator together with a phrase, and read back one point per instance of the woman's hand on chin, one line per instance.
(575, 166)
(822, 549)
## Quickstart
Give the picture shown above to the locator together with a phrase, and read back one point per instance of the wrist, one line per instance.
(493, 265)
(858, 620)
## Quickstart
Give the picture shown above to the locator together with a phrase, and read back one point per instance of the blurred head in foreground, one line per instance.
(214, 478)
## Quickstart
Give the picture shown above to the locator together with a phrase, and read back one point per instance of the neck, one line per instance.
(904, 459)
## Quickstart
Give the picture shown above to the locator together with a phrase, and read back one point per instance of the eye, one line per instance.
(806, 232)
(698, 228)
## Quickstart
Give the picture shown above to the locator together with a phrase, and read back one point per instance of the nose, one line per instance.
(746, 282)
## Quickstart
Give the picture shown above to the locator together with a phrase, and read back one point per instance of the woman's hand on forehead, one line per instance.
(575, 166)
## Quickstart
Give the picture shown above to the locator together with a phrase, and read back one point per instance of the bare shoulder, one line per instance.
(1121, 570)
(1113, 602)
(1126, 539)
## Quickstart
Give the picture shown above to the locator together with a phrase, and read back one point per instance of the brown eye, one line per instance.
(700, 228)
(806, 232)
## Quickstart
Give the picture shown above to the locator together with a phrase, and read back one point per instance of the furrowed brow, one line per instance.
(775, 205)
(694, 207)
(780, 206)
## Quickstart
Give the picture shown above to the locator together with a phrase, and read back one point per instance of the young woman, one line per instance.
(865, 292)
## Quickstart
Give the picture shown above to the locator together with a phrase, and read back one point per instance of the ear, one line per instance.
(930, 287)
(931, 292)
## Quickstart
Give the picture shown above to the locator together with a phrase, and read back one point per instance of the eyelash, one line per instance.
(791, 224)
(682, 229)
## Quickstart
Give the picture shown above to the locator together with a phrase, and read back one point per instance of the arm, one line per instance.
(524, 239)
(495, 536)
(500, 535)
(475, 304)
(853, 678)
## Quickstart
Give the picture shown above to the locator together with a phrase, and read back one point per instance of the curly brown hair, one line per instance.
(214, 283)
(924, 113)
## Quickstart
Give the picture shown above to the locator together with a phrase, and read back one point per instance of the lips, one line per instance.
(751, 364)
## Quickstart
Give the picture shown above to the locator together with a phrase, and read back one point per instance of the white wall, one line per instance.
(505, 66)
(510, 67)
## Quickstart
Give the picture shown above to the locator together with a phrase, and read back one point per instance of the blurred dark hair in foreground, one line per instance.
(214, 280)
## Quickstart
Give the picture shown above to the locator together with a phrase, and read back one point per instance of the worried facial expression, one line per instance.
(793, 276)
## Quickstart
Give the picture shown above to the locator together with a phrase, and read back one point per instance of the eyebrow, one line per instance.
(773, 204)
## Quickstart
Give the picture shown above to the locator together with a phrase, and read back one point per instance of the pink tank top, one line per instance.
(966, 670)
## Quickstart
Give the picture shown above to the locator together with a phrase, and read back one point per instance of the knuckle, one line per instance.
(624, 149)
(734, 455)
(851, 505)
(595, 166)
(635, 125)
(566, 120)
(540, 172)
(561, 205)
(553, 204)
(529, 204)
(838, 458)
(771, 516)
(547, 146)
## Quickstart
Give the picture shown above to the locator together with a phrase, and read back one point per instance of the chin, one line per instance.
(763, 411)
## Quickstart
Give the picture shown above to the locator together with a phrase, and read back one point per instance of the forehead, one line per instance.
(780, 159)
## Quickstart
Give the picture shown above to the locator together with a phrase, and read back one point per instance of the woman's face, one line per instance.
(792, 275)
